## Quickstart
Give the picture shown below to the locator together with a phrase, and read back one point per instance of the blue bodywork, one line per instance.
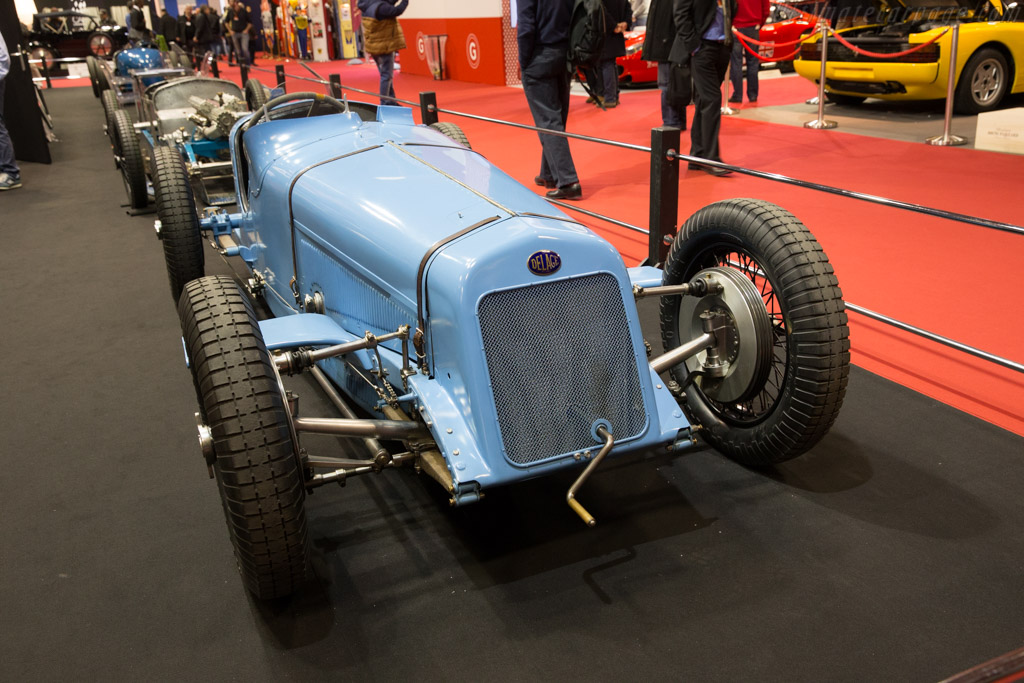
(138, 59)
(520, 368)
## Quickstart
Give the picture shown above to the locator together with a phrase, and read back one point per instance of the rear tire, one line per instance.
(179, 223)
(983, 83)
(452, 131)
(126, 146)
(108, 98)
(94, 74)
(255, 94)
(258, 477)
(799, 398)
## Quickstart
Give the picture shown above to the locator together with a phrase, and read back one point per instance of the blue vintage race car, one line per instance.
(491, 338)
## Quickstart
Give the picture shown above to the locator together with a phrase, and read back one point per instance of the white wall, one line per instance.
(452, 9)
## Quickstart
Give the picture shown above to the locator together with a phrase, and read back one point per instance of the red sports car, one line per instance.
(786, 23)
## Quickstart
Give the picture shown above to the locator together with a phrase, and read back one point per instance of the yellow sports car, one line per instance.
(989, 60)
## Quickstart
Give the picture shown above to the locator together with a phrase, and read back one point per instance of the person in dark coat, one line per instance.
(543, 37)
(618, 19)
(186, 27)
(137, 22)
(204, 32)
(168, 27)
(661, 33)
(704, 41)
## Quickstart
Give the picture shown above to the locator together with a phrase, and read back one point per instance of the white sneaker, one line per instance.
(9, 182)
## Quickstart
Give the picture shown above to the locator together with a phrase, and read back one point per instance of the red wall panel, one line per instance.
(474, 51)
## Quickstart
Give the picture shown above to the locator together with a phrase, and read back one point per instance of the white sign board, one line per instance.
(1001, 131)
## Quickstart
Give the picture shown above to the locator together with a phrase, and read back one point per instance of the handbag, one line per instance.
(680, 86)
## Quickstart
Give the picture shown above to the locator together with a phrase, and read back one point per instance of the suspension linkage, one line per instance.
(698, 287)
(292, 362)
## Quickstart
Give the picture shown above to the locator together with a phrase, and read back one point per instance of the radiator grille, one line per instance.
(560, 357)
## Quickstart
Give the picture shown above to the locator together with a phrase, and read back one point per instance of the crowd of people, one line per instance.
(691, 41)
(199, 30)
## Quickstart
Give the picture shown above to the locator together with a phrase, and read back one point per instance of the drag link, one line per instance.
(292, 362)
(699, 287)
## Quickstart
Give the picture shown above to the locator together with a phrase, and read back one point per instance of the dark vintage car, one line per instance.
(59, 35)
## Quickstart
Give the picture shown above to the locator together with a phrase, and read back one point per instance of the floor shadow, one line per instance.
(527, 529)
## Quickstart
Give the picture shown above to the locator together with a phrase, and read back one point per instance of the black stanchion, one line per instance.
(243, 72)
(335, 81)
(664, 192)
(214, 68)
(428, 107)
(279, 71)
(46, 72)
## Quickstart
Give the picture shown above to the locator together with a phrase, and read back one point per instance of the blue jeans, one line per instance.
(609, 80)
(241, 42)
(546, 85)
(7, 164)
(739, 54)
(675, 117)
(386, 68)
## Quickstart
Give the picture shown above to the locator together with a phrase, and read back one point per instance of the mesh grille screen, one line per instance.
(559, 357)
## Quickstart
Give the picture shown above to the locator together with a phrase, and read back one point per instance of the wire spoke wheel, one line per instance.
(792, 368)
(755, 408)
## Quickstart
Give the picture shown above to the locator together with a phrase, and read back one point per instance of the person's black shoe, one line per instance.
(708, 169)
(736, 100)
(752, 100)
(573, 191)
(544, 182)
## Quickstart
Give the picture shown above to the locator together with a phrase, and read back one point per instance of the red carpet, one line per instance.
(956, 280)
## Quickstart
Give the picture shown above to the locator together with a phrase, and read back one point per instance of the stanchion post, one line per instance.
(46, 72)
(946, 139)
(428, 108)
(279, 72)
(243, 72)
(664, 192)
(214, 69)
(335, 81)
(820, 123)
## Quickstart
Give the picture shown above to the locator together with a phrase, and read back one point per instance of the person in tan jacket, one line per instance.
(382, 38)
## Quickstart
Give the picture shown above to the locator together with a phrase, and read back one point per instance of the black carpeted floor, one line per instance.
(892, 552)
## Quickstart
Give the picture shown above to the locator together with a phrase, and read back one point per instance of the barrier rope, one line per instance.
(774, 58)
(885, 55)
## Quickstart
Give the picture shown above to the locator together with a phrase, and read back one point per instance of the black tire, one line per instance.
(103, 78)
(787, 67)
(94, 74)
(452, 131)
(108, 98)
(983, 82)
(258, 476)
(796, 405)
(846, 100)
(179, 223)
(126, 147)
(255, 95)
